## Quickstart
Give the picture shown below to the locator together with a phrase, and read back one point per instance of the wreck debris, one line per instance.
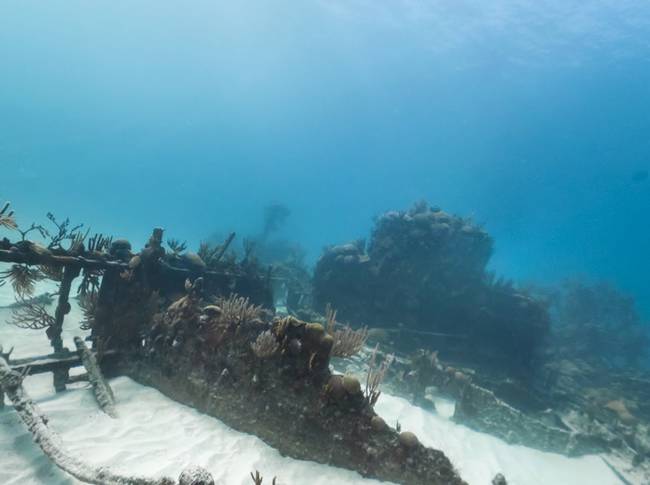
(222, 250)
(4, 355)
(305, 419)
(101, 389)
(175, 352)
(50, 443)
(62, 307)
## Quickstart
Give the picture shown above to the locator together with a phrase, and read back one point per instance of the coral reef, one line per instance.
(598, 324)
(424, 276)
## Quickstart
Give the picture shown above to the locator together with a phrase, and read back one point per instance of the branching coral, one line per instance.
(347, 342)
(22, 278)
(176, 245)
(330, 319)
(65, 232)
(238, 310)
(33, 227)
(266, 345)
(7, 217)
(99, 243)
(29, 314)
(226, 316)
(375, 376)
(258, 479)
(88, 305)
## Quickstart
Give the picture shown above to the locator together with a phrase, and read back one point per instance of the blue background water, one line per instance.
(532, 116)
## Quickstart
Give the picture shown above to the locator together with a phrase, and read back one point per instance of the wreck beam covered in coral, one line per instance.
(101, 389)
(225, 363)
(50, 443)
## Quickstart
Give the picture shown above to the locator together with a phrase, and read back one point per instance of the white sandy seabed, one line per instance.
(155, 436)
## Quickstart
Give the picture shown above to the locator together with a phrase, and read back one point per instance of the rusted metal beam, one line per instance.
(49, 363)
(38, 258)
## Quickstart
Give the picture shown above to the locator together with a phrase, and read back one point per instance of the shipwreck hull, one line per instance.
(295, 418)
(214, 344)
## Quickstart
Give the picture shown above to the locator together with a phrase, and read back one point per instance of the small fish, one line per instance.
(640, 176)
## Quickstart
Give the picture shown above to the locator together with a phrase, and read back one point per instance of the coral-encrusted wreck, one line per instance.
(424, 273)
(203, 333)
(271, 377)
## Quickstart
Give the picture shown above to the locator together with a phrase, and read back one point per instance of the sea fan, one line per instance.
(31, 315)
(22, 278)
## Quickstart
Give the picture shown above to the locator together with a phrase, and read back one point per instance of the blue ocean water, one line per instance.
(531, 116)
